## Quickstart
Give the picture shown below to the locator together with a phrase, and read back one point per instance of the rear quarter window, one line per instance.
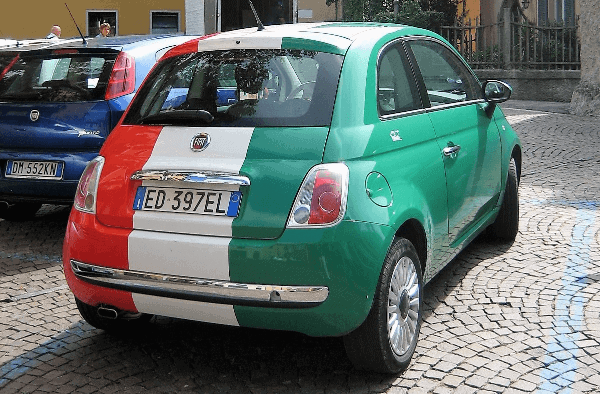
(396, 88)
(240, 88)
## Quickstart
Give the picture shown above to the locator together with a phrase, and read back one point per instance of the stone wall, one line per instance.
(586, 98)
(538, 85)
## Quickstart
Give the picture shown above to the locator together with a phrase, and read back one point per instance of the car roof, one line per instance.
(332, 37)
(98, 44)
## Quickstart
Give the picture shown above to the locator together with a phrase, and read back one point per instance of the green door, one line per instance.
(407, 152)
(468, 138)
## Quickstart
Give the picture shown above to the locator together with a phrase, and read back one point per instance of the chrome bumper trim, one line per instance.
(191, 177)
(205, 290)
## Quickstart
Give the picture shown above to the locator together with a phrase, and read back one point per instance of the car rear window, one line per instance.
(56, 77)
(4, 62)
(250, 88)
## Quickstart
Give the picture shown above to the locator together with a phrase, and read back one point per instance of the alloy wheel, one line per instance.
(403, 306)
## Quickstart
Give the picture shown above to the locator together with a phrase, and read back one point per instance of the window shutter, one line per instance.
(542, 12)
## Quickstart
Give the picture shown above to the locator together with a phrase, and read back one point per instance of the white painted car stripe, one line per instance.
(262, 41)
(183, 309)
(253, 38)
(184, 255)
(225, 153)
(179, 254)
(219, 226)
(197, 256)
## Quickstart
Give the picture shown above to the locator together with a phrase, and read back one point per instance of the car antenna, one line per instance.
(260, 25)
(82, 37)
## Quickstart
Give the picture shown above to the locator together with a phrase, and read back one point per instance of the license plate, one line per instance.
(203, 202)
(34, 169)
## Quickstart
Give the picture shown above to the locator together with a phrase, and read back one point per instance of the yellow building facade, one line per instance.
(469, 11)
(27, 19)
(33, 18)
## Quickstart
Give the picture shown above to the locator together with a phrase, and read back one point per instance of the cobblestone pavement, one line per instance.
(519, 318)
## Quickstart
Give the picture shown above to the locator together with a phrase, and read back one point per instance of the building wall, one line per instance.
(490, 10)
(471, 10)
(33, 18)
(538, 85)
(318, 11)
(194, 17)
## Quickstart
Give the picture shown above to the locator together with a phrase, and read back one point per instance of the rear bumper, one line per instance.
(319, 282)
(51, 191)
(204, 290)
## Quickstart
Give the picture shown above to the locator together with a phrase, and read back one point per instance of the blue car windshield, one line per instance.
(55, 78)
(249, 88)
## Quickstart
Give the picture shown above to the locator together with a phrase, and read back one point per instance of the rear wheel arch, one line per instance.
(414, 231)
(386, 341)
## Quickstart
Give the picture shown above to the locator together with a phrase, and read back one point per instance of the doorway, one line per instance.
(237, 14)
(96, 18)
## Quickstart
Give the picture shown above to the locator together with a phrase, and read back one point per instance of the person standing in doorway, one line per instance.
(54, 33)
(277, 14)
(104, 30)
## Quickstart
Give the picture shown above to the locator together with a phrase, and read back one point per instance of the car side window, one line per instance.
(396, 90)
(446, 78)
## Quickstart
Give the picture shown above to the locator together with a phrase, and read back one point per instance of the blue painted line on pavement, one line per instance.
(562, 351)
(22, 364)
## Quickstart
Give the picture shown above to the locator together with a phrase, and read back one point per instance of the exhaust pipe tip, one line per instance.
(107, 312)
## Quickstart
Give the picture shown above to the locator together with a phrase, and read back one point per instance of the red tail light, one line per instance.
(122, 78)
(87, 189)
(326, 198)
(321, 199)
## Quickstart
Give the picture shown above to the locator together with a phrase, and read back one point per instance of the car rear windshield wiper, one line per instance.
(178, 116)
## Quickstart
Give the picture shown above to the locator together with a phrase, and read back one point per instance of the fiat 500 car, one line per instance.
(353, 162)
(58, 102)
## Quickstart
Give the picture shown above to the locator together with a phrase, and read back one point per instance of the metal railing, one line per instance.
(478, 44)
(520, 46)
(544, 47)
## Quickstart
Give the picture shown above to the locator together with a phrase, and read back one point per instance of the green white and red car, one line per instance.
(349, 165)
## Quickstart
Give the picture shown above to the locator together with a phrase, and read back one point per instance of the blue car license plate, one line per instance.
(34, 169)
(203, 202)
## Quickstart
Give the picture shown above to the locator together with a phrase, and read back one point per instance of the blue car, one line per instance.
(58, 104)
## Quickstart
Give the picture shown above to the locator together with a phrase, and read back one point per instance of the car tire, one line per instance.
(506, 226)
(18, 211)
(125, 324)
(399, 299)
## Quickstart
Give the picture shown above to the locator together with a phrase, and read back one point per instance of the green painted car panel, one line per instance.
(313, 45)
(511, 144)
(451, 198)
(276, 163)
(378, 189)
(346, 258)
(473, 173)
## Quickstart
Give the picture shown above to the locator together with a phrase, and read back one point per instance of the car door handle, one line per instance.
(451, 150)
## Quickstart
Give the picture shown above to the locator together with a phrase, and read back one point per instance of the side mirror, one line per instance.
(496, 91)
